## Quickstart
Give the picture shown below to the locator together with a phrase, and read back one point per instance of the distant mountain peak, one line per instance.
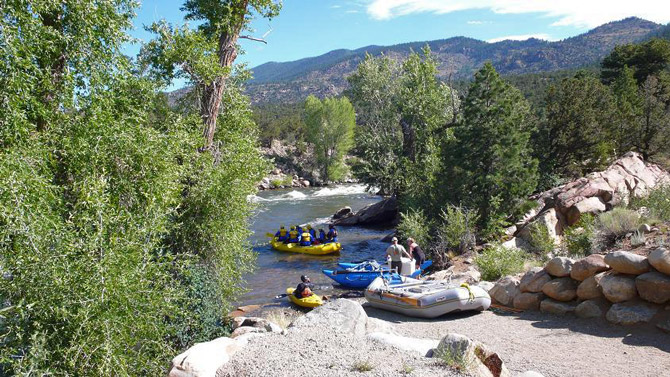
(458, 56)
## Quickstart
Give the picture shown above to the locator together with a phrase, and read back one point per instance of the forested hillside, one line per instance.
(457, 57)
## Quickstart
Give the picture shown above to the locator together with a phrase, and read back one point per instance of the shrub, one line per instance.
(457, 229)
(287, 181)
(539, 239)
(658, 203)
(613, 225)
(497, 261)
(276, 183)
(414, 224)
(578, 239)
(638, 239)
(362, 366)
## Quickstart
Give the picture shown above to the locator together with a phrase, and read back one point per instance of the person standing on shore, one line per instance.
(418, 254)
(396, 252)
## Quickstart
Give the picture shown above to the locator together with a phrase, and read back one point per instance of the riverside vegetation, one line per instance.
(114, 250)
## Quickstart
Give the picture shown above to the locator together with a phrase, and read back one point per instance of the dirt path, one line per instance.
(552, 345)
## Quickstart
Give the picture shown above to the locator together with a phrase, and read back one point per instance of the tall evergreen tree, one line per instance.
(491, 163)
(629, 110)
(576, 136)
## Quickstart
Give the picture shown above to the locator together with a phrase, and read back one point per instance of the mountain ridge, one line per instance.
(458, 57)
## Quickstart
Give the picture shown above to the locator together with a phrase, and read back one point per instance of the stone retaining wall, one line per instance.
(623, 287)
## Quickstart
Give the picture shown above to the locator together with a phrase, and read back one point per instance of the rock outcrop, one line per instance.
(561, 207)
(341, 315)
(382, 212)
(472, 357)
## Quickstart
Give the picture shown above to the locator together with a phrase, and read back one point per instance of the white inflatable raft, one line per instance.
(426, 299)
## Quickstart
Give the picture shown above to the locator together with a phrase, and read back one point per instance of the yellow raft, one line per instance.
(306, 302)
(322, 249)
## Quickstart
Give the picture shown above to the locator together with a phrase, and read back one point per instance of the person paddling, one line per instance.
(293, 235)
(282, 234)
(305, 238)
(303, 289)
(332, 234)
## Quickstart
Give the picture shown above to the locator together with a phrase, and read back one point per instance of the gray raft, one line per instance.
(426, 299)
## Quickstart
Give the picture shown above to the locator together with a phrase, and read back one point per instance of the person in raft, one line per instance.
(418, 254)
(300, 230)
(293, 235)
(282, 234)
(312, 232)
(322, 236)
(396, 252)
(305, 238)
(304, 288)
(332, 234)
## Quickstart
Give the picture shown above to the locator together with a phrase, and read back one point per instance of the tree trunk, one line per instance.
(213, 93)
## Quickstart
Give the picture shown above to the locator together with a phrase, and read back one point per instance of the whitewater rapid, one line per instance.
(295, 195)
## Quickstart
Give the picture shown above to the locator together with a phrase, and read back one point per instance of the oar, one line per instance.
(281, 295)
(269, 235)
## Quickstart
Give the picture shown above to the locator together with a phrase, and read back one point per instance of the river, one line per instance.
(275, 270)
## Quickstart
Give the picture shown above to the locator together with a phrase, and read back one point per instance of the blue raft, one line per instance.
(352, 275)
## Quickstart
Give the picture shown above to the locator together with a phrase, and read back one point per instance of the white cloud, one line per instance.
(352, 11)
(522, 37)
(335, 6)
(475, 22)
(582, 13)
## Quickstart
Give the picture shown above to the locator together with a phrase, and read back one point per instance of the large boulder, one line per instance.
(591, 308)
(557, 307)
(654, 287)
(618, 288)
(473, 358)
(559, 266)
(627, 263)
(534, 279)
(631, 313)
(528, 301)
(204, 359)
(589, 266)
(589, 289)
(342, 212)
(342, 315)
(382, 212)
(561, 289)
(505, 290)
(550, 220)
(660, 260)
(593, 205)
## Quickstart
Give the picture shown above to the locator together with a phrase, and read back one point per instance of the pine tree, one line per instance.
(491, 159)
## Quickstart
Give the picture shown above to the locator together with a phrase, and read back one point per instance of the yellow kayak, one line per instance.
(322, 249)
(306, 302)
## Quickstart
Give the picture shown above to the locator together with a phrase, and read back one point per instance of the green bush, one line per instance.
(287, 181)
(276, 183)
(658, 203)
(539, 239)
(414, 224)
(457, 228)
(497, 261)
(615, 224)
(578, 239)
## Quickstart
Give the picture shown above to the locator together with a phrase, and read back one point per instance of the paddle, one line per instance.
(269, 235)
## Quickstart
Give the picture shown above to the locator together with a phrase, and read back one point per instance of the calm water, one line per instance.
(277, 270)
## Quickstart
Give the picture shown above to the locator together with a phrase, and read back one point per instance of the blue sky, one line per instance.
(313, 27)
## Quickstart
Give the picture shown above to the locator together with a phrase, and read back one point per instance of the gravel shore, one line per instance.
(552, 345)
